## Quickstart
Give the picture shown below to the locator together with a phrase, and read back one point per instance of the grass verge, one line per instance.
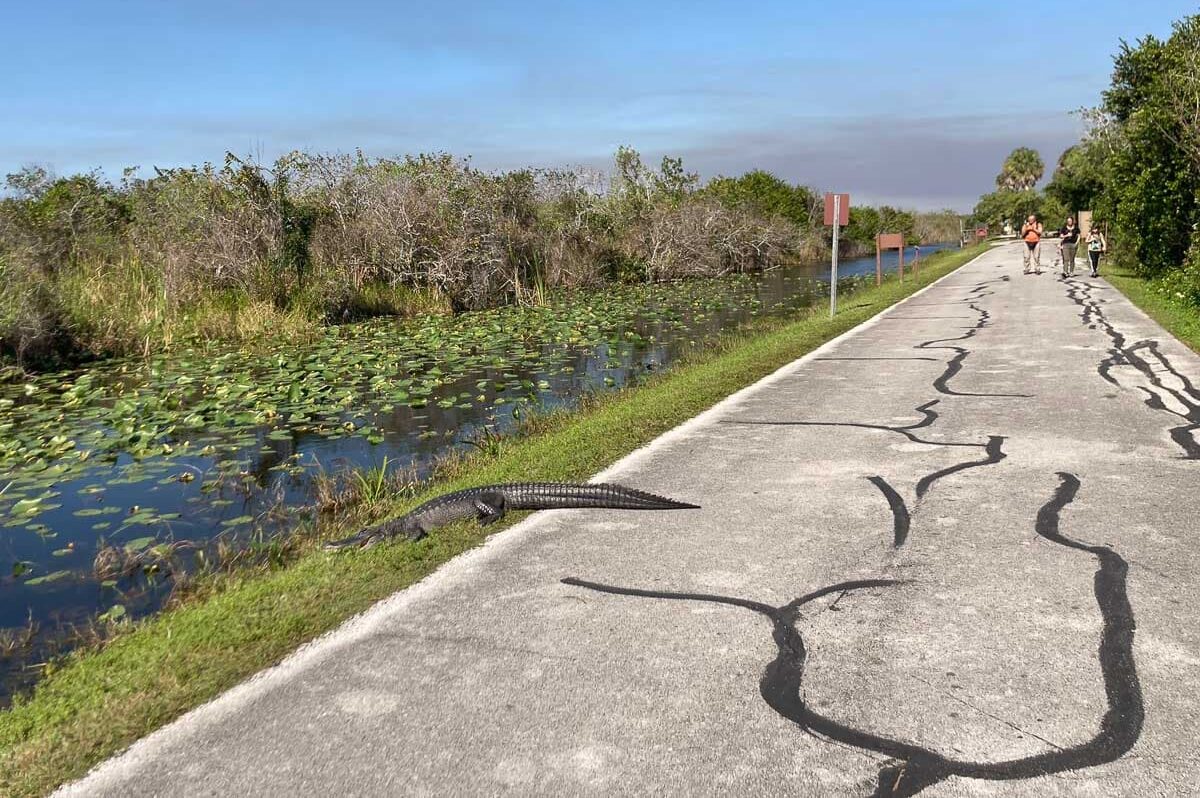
(1180, 319)
(99, 701)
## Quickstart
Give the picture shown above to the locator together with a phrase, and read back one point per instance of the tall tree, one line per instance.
(1153, 177)
(1022, 169)
(1079, 179)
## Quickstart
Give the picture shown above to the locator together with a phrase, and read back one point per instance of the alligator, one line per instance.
(488, 504)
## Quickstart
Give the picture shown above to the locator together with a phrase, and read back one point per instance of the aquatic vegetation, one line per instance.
(122, 478)
(100, 701)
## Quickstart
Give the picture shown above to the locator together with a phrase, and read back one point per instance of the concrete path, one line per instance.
(920, 560)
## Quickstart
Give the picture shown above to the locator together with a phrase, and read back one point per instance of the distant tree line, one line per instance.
(90, 267)
(1016, 197)
(1137, 168)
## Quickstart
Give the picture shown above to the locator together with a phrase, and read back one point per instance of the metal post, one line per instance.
(878, 263)
(837, 215)
(901, 261)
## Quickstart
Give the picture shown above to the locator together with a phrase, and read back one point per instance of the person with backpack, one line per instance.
(1068, 241)
(1031, 234)
(1097, 245)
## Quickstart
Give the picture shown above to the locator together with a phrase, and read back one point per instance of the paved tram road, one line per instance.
(918, 568)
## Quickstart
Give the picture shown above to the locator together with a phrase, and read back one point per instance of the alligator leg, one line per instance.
(371, 536)
(490, 507)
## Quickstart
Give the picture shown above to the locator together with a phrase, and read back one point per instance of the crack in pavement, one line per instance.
(985, 713)
(928, 416)
(994, 448)
(954, 365)
(1121, 353)
(474, 642)
(995, 453)
(911, 768)
(930, 359)
(901, 520)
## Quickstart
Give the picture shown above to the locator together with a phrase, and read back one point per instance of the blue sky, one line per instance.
(913, 103)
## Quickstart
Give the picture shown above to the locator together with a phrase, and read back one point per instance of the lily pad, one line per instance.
(53, 576)
(137, 544)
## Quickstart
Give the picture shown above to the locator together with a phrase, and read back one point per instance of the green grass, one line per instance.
(99, 701)
(113, 309)
(1179, 318)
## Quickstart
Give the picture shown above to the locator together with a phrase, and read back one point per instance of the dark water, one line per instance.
(114, 474)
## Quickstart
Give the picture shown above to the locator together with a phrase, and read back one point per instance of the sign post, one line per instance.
(888, 241)
(837, 213)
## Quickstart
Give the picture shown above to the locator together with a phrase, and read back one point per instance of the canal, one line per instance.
(116, 475)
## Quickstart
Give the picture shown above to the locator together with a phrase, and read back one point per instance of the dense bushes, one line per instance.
(767, 195)
(867, 222)
(1006, 206)
(803, 207)
(423, 222)
(89, 267)
(1138, 168)
(1151, 132)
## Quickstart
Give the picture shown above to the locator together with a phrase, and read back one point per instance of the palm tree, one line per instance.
(1022, 169)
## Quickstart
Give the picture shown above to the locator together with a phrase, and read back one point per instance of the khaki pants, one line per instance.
(1034, 253)
(1068, 253)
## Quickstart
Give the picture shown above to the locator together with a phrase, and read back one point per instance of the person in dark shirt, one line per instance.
(1068, 241)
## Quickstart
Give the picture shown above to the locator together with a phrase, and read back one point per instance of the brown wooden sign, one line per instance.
(843, 210)
(888, 241)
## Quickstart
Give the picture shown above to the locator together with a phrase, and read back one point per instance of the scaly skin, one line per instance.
(488, 503)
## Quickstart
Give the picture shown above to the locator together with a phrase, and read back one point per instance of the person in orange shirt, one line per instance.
(1031, 234)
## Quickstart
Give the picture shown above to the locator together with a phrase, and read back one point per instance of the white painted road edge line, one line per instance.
(109, 773)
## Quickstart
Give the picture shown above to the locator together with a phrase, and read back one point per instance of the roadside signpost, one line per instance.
(888, 241)
(837, 214)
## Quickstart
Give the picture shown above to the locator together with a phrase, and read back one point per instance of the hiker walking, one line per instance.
(1097, 245)
(1031, 234)
(1068, 241)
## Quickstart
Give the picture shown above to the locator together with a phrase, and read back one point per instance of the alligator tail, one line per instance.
(560, 495)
